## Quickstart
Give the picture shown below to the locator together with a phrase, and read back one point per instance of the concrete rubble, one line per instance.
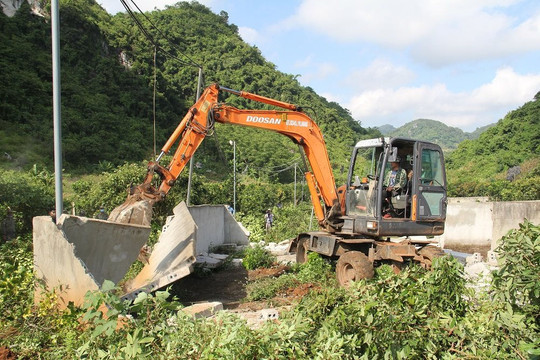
(281, 251)
(205, 309)
(78, 254)
(478, 272)
(172, 257)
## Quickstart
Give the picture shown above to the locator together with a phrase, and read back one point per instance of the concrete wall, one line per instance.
(216, 226)
(78, 254)
(478, 223)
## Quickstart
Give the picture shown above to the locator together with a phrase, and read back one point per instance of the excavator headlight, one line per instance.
(372, 225)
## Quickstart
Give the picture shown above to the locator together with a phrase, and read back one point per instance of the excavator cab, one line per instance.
(416, 207)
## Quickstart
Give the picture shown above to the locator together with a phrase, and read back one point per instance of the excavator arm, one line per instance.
(199, 122)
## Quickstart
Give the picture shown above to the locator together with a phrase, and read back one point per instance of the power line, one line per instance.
(152, 40)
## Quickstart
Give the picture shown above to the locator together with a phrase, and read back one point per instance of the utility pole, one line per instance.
(188, 196)
(294, 184)
(233, 143)
(57, 118)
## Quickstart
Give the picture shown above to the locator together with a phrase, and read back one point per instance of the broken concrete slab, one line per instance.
(278, 249)
(78, 254)
(172, 257)
(205, 309)
(133, 211)
(211, 261)
(256, 319)
(216, 226)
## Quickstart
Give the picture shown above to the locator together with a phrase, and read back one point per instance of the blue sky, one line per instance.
(465, 63)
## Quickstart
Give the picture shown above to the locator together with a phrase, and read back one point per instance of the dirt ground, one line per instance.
(6, 354)
(228, 286)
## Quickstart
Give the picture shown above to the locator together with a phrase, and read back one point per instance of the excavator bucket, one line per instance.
(134, 211)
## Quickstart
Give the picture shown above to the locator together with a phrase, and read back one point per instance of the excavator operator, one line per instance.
(394, 181)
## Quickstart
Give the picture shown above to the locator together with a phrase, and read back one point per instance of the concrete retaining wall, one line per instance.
(479, 223)
(216, 226)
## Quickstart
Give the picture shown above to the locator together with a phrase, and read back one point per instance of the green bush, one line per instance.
(316, 271)
(28, 194)
(258, 257)
(517, 282)
(416, 314)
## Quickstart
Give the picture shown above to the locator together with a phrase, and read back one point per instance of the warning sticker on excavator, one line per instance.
(205, 106)
(297, 123)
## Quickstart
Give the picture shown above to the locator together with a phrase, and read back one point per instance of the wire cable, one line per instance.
(164, 36)
(152, 40)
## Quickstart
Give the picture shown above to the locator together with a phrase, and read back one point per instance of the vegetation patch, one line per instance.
(416, 314)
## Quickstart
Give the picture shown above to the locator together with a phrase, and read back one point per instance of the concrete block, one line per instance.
(201, 310)
(78, 254)
(492, 258)
(219, 256)
(172, 256)
(286, 259)
(477, 223)
(268, 314)
(478, 272)
(474, 258)
(237, 262)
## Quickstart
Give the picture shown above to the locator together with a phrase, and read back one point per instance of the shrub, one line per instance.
(517, 282)
(27, 194)
(258, 257)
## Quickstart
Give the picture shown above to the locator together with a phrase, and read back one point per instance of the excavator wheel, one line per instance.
(353, 266)
(302, 250)
(429, 253)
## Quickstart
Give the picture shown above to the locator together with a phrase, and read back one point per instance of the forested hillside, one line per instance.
(504, 162)
(108, 120)
(447, 137)
(108, 81)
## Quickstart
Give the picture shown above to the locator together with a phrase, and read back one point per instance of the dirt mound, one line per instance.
(270, 272)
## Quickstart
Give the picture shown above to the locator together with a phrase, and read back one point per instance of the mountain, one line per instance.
(503, 162)
(431, 130)
(386, 129)
(108, 82)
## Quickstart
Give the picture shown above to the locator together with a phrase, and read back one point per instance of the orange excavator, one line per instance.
(356, 220)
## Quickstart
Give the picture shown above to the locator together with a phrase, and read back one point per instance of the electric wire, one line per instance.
(209, 129)
(164, 36)
(151, 38)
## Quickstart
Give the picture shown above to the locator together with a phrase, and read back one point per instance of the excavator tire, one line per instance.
(429, 253)
(353, 266)
(302, 250)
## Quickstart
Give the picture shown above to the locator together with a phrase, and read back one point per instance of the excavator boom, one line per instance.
(199, 122)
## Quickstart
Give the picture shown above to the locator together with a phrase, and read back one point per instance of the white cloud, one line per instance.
(484, 105)
(381, 73)
(436, 32)
(305, 62)
(249, 35)
(318, 72)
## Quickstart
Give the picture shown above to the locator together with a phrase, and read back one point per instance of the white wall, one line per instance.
(216, 226)
(477, 222)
